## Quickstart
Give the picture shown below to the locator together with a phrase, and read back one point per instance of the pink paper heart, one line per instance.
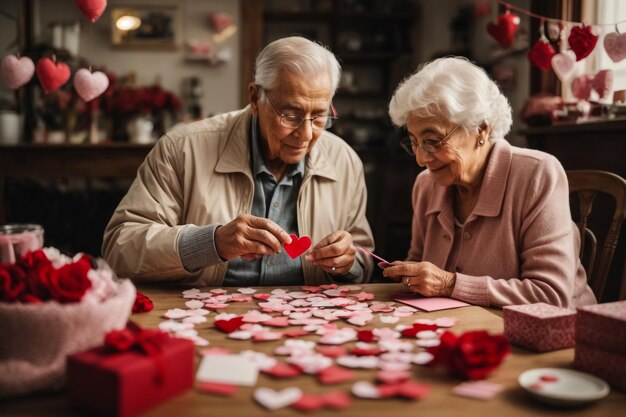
(52, 75)
(615, 46)
(563, 63)
(603, 82)
(298, 246)
(581, 87)
(274, 400)
(17, 71)
(90, 85)
(91, 9)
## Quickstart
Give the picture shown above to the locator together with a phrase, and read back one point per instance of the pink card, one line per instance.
(428, 303)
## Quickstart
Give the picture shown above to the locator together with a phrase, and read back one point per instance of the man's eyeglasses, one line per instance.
(429, 145)
(294, 121)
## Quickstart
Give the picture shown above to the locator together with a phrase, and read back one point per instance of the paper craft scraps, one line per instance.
(429, 303)
(480, 390)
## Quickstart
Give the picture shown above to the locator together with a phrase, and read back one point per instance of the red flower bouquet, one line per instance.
(472, 355)
(52, 305)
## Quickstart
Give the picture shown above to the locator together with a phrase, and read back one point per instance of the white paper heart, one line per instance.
(90, 85)
(563, 63)
(364, 389)
(273, 400)
(615, 46)
(17, 71)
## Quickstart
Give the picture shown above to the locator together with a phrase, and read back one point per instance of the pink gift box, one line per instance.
(606, 365)
(603, 326)
(540, 327)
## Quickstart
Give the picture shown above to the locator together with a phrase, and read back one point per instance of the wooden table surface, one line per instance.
(511, 402)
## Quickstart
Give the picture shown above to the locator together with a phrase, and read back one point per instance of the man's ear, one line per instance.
(253, 92)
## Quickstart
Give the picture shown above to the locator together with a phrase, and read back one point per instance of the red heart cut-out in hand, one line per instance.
(229, 326)
(52, 75)
(91, 9)
(582, 41)
(297, 246)
(503, 31)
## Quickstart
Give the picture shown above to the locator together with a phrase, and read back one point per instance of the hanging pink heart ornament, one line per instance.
(90, 85)
(582, 41)
(615, 46)
(563, 64)
(91, 9)
(16, 71)
(51, 74)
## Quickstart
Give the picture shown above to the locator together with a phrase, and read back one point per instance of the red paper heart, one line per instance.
(52, 75)
(229, 326)
(334, 375)
(503, 31)
(297, 246)
(308, 402)
(283, 370)
(337, 400)
(91, 9)
(582, 41)
(541, 55)
(225, 390)
(615, 46)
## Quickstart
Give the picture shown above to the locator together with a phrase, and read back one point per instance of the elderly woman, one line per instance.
(491, 222)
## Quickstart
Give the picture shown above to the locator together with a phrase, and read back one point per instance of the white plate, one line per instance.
(569, 388)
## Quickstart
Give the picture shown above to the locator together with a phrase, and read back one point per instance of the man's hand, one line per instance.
(334, 254)
(249, 237)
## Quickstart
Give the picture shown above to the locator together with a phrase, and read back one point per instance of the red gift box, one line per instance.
(603, 326)
(602, 363)
(540, 327)
(105, 383)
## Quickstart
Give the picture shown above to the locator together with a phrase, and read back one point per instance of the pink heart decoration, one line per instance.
(582, 41)
(541, 54)
(90, 85)
(615, 46)
(503, 31)
(91, 9)
(297, 246)
(52, 75)
(17, 71)
(602, 83)
(274, 400)
(581, 87)
(563, 64)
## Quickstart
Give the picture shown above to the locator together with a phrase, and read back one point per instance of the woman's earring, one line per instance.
(481, 142)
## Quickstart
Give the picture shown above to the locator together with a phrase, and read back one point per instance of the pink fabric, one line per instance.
(519, 245)
(37, 337)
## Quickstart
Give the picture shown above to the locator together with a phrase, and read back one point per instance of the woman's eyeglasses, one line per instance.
(294, 121)
(429, 145)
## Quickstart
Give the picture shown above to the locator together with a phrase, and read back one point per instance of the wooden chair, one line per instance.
(587, 184)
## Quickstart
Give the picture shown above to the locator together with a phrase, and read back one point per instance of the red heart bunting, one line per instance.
(615, 46)
(582, 41)
(52, 75)
(503, 31)
(541, 55)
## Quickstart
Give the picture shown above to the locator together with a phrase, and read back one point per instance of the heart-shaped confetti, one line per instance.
(273, 400)
(298, 246)
(229, 326)
(334, 375)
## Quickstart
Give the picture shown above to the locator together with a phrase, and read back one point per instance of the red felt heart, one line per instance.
(91, 9)
(229, 326)
(297, 246)
(541, 55)
(52, 75)
(582, 41)
(503, 31)
(615, 46)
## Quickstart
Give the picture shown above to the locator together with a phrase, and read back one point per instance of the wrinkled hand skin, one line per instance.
(424, 277)
(249, 237)
(335, 250)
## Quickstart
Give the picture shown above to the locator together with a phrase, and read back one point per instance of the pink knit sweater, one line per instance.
(519, 245)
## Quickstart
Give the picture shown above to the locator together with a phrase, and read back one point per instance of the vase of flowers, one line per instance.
(52, 305)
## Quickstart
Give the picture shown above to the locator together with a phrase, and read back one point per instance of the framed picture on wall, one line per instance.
(145, 27)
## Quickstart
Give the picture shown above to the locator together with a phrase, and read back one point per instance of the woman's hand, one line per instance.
(334, 254)
(422, 277)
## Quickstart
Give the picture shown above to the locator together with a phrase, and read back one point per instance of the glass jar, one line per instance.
(18, 239)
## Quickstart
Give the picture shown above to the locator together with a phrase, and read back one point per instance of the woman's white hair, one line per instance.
(457, 90)
(298, 56)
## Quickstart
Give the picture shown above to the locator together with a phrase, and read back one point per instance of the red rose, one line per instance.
(142, 303)
(70, 282)
(12, 282)
(119, 340)
(39, 271)
(473, 355)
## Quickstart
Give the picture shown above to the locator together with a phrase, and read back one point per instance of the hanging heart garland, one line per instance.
(582, 41)
(503, 31)
(91, 9)
(615, 45)
(16, 71)
(541, 54)
(601, 83)
(52, 75)
(90, 85)
(563, 64)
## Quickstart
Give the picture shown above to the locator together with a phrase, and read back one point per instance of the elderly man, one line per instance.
(214, 202)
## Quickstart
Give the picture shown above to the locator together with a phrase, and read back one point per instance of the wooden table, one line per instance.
(511, 402)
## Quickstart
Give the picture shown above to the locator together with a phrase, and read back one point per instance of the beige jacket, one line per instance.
(200, 174)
